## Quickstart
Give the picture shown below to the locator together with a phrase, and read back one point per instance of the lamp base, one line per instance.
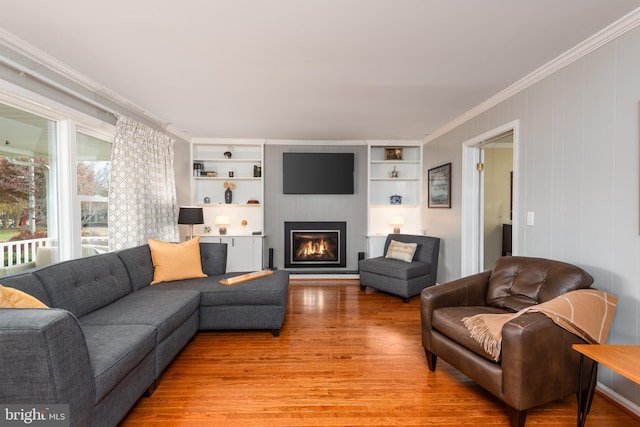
(222, 231)
(396, 230)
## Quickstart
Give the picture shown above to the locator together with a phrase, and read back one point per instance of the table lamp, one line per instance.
(190, 215)
(396, 222)
(222, 221)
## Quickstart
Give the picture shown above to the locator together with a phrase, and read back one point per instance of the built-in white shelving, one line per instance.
(216, 162)
(394, 169)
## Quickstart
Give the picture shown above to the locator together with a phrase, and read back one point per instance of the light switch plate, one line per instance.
(530, 218)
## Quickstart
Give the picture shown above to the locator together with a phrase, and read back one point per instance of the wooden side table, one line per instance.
(623, 359)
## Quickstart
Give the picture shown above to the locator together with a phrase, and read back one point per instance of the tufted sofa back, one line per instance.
(519, 282)
(86, 284)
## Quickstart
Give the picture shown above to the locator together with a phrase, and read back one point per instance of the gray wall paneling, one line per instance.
(578, 171)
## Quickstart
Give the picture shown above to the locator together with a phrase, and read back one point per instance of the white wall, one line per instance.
(578, 171)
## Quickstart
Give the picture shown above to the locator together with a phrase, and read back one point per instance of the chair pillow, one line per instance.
(14, 298)
(401, 251)
(175, 261)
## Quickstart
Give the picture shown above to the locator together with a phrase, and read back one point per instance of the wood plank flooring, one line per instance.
(344, 358)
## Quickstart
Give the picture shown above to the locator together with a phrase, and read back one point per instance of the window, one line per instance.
(93, 166)
(43, 218)
(27, 188)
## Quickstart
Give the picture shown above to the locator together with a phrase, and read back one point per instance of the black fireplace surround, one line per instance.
(315, 244)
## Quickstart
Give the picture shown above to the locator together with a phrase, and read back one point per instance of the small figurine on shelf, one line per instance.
(228, 195)
(394, 173)
(395, 199)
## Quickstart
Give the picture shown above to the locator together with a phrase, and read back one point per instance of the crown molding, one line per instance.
(612, 32)
(41, 60)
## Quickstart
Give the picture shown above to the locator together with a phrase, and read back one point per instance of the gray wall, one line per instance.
(578, 171)
(279, 207)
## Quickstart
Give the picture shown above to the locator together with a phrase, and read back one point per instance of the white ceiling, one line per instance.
(306, 69)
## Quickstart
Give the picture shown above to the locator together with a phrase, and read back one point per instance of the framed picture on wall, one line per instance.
(393, 153)
(439, 182)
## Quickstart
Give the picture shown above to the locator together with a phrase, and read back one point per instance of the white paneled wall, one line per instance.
(579, 171)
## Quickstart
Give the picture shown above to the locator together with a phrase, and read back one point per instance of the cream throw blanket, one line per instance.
(587, 313)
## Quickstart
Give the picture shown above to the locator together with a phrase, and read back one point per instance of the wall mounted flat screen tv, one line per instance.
(317, 173)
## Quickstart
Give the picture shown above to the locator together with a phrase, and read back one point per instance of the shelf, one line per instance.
(394, 206)
(245, 161)
(394, 179)
(227, 178)
(407, 183)
(229, 235)
(219, 160)
(228, 205)
(415, 162)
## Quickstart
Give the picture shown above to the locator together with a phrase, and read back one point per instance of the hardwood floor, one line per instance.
(344, 358)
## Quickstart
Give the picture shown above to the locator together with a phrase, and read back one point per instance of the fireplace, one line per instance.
(315, 244)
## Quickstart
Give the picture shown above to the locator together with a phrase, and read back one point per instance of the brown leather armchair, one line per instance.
(537, 364)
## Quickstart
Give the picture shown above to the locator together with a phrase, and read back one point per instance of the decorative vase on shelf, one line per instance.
(228, 195)
(395, 199)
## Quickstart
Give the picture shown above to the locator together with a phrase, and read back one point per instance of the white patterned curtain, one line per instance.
(142, 191)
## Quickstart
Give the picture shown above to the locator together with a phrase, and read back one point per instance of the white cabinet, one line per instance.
(394, 190)
(244, 253)
(375, 246)
(220, 163)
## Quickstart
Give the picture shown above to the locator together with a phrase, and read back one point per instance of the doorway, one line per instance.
(489, 196)
(497, 157)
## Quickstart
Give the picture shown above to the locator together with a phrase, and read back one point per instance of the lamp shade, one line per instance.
(222, 220)
(190, 215)
(396, 220)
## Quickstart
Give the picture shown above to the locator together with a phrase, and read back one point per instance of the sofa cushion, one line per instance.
(394, 268)
(165, 311)
(175, 261)
(448, 321)
(267, 290)
(401, 251)
(14, 298)
(86, 284)
(29, 283)
(213, 258)
(139, 265)
(114, 351)
(519, 282)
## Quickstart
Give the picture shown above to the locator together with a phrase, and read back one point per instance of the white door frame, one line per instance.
(472, 240)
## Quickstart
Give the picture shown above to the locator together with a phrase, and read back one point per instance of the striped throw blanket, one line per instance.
(587, 313)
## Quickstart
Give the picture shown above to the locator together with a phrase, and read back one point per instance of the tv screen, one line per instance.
(317, 173)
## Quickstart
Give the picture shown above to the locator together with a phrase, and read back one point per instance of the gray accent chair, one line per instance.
(404, 279)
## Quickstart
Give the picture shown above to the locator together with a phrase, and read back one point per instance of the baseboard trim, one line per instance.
(618, 400)
(315, 276)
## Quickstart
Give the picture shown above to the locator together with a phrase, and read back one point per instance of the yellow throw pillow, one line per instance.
(176, 261)
(401, 251)
(13, 298)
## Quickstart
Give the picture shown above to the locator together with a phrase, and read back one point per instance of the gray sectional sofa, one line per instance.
(111, 335)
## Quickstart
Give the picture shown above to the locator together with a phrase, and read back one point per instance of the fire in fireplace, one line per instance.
(315, 244)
